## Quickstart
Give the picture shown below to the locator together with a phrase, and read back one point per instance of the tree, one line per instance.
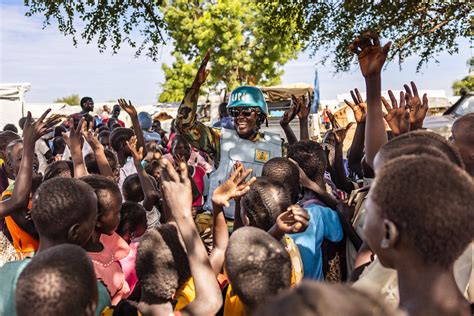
(419, 28)
(137, 23)
(243, 52)
(72, 99)
(466, 83)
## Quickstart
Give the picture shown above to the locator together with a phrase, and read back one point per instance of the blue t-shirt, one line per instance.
(324, 223)
(9, 274)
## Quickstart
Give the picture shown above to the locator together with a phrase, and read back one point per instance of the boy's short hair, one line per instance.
(62, 168)
(317, 298)
(6, 137)
(132, 188)
(264, 202)
(91, 161)
(10, 127)
(132, 215)
(118, 136)
(311, 157)
(286, 172)
(430, 201)
(421, 140)
(104, 188)
(59, 203)
(57, 281)
(258, 266)
(103, 128)
(162, 264)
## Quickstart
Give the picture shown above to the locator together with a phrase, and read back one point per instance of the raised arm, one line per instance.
(132, 112)
(98, 149)
(235, 187)
(371, 58)
(303, 115)
(74, 142)
(286, 119)
(32, 131)
(208, 296)
(359, 108)
(340, 179)
(148, 189)
(197, 134)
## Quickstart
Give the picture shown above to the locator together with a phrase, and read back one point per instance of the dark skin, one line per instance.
(132, 112)
(463, 140)
(300, 107)
(106, 223)
(246, 126)
(98, 149)
(340, 178)
(32, 131)
(74, 141)
(397, 251)
(20, 215)
(359, 108)
(234, 188)
(371, 57)
(149, 192)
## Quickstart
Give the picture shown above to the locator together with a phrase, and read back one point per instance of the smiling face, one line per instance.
(245, 121)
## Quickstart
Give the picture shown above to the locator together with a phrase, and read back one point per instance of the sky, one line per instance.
(55, 68)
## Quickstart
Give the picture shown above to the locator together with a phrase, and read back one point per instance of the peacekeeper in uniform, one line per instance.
(245, 143)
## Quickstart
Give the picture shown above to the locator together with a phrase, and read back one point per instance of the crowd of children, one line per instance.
(108, 220)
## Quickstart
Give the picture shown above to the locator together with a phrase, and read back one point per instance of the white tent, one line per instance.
(12, 102)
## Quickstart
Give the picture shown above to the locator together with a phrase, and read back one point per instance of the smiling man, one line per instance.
(245, 143)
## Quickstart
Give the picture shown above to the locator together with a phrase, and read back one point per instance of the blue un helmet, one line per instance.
(145, 120)
(249, 97)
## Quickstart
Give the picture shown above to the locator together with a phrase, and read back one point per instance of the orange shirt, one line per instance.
(25, 244)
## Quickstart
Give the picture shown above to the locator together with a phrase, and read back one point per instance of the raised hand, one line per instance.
(305, 109)
(33, 130)
(370, 54)
(137, 153)
(92, 140)
(397, 117)
(290, 114)
(176, 189)
(127, 107)
(359, 107)
(202, 72)
(74, 139)
(234, 188)
(294, 220)
(341, 133)
(417, 108)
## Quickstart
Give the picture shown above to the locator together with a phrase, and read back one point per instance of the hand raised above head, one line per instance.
(127, 107)
(176, 189)
(74, 139)
(418, 108)
(33, 130)
(370, 54)
(137, 153)
(202, 72)
(290, 114)
(398, 116)
(359, 107)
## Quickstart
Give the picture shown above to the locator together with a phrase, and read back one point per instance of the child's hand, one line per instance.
(92, 140)
(370, 54)
(417, 108)
(397, 117)
(128, 107)
(290, 114)
(137, 154)
(305, 109)
(294, 220)
(74, 140)
(359, 107)
(234, 188)
(32, 131)
(176, 189)
(341, 133)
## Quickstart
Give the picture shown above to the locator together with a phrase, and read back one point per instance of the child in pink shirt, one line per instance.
(106, 248)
